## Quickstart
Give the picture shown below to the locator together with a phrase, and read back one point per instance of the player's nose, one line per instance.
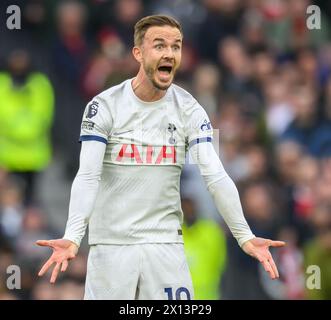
(168, 53)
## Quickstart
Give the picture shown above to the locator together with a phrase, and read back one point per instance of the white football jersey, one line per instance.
(138, 199)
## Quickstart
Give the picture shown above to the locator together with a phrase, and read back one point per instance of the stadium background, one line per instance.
(264, 80)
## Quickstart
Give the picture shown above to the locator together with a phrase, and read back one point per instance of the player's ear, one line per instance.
(137, 53)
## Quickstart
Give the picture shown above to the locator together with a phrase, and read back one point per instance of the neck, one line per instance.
(144, 89)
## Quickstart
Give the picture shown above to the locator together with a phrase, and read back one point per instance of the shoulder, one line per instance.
(192, 114)
(185, 99)
(187, 104)
(111, 93)
(105, 100)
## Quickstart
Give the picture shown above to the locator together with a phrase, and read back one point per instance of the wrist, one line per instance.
(73, 243)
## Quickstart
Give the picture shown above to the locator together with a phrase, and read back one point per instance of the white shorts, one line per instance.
(138, 272)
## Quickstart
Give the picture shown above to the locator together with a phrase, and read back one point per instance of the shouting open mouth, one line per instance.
(165, 71)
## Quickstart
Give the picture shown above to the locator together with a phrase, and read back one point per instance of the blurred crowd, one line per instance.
(262, 76)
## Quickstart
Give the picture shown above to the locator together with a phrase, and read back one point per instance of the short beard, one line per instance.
(150, 72)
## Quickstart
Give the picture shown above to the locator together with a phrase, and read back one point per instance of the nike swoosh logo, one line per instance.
(122, 132)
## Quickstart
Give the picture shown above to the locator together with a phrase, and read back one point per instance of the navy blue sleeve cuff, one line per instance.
(92, 138)
(199, 140)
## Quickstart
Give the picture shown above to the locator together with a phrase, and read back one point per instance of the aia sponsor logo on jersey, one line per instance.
(147, 154)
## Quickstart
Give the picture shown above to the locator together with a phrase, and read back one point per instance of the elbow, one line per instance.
(88, 175)
(213, 181)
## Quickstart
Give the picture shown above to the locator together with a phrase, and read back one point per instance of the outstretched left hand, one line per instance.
(259, 249)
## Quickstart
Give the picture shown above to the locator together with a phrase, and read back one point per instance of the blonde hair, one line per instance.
(145, 23)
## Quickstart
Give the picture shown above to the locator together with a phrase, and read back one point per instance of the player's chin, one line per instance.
(164, 82)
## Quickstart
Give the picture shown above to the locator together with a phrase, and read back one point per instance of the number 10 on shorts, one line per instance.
(180, 292)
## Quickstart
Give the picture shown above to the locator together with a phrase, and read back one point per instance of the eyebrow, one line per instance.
(162, 40)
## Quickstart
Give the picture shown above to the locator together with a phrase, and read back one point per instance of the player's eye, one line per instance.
(159, 46)
(176, 47)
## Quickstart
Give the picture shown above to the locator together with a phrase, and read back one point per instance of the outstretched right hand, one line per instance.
(63, 251)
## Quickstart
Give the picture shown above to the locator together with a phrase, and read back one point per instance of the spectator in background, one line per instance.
(305, 187)
(35, 18)
(264, 65)
(287, 159)
(26, 113)
(113, 61)
(237, 70)
(252, 28)
(325, 144)
(308, 67)
(324, 63)
(5, 243)
(70, 290)
(109, 65)
(188, 65)
(11, 211)
(231, 123)
(307, 129)
(205, 249)
(71, 50)
(258, 163)
(190, 13)
(279, 112)
(43, 290)
(67, 289)
(299, 35)
(323, 190)
(126, 13)
(292, 285)
(34, 226)
(206, 87)
(235, 64)
(285, 25)
(262, 214)
(326, 111)
(223, 18)
(304, 196)
(318, 251)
